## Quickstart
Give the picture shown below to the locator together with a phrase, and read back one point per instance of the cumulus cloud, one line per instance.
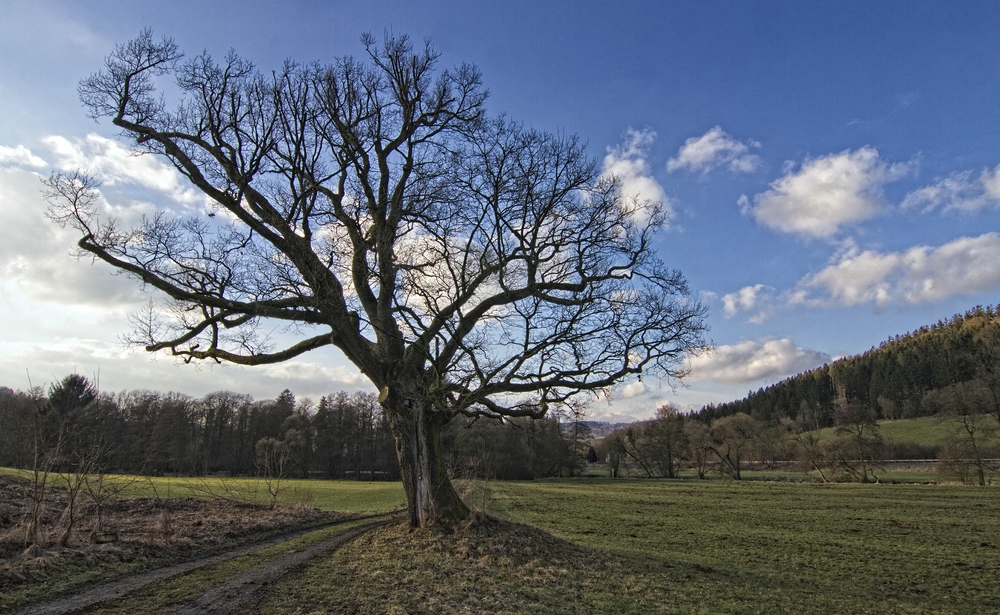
(114, 165)
(757, 299)
(19, 156)
(825, 194)
(921, 274)
(627, 162)
(755, 360)
(713, 150)
(632, 389)
(962, 191)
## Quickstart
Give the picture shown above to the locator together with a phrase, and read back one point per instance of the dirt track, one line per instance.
(234, 596)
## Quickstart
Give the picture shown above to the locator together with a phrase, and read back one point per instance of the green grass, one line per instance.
(925, 431)
(335, 495)
(733, 547)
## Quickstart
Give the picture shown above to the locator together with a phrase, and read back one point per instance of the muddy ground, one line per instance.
(151, 532)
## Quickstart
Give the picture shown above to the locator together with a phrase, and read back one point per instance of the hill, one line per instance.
(952, 364)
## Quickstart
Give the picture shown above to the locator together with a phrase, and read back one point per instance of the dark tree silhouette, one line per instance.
(465, 264)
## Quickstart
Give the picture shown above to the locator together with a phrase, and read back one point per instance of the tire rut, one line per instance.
(79, 603)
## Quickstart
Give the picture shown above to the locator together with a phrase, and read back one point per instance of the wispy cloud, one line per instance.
(921, 274)
(825, 194)
(713, 150)
(755, 360)
(964, 191)
(19, 156)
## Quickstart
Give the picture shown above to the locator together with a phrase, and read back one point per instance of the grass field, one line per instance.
(347, 496)
(677, 547)
(773, 547)
(926, 431)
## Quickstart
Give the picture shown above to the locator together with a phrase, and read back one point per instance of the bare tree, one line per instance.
(808, 449)
(857, 444)
(732, 440)
(465, 264)
(987, 364)
(700, 451)
(272, 461)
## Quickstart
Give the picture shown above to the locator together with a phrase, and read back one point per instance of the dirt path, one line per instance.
(230, 597)
(242, 592)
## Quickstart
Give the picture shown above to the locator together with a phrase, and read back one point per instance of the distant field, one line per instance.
(926, 431)
(338, 495)
(348, 496)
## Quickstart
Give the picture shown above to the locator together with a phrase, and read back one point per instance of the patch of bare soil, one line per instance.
(150, 533)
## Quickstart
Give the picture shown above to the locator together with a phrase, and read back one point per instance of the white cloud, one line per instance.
(959, 191)
(50, 359)
(113, 164)
(19, 156)
(921, 274)
(756, 298)
(825, 194)
(632, 389)
(754, 360)
(628, 163)
(715, 149)
(35, 253)
(305, 371)
(991, 182)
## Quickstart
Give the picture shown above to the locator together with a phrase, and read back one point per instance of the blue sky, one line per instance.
(833, 168)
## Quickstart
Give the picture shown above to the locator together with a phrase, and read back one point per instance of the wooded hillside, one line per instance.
(924, 372)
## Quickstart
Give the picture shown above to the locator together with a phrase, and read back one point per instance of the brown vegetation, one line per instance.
(149, 531)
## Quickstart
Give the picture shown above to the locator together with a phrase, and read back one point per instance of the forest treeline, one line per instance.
(930, 371)
(71, 424)
(951, 369)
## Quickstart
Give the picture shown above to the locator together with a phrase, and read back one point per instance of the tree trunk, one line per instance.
(430, 497)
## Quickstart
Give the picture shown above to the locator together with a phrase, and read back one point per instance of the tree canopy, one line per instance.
(464, 263)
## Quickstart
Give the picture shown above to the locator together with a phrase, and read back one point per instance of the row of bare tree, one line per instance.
(147, 432)
(854, 451)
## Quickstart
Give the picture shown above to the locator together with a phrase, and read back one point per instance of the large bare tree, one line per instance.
(465, 264)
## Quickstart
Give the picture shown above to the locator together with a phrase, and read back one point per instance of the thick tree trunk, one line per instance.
(430, 497)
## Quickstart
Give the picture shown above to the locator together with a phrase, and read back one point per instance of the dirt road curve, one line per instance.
(233, 596)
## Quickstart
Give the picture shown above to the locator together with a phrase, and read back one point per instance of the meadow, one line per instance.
(927, 431)
(354, 497)
(644, 546)
(784, 547)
